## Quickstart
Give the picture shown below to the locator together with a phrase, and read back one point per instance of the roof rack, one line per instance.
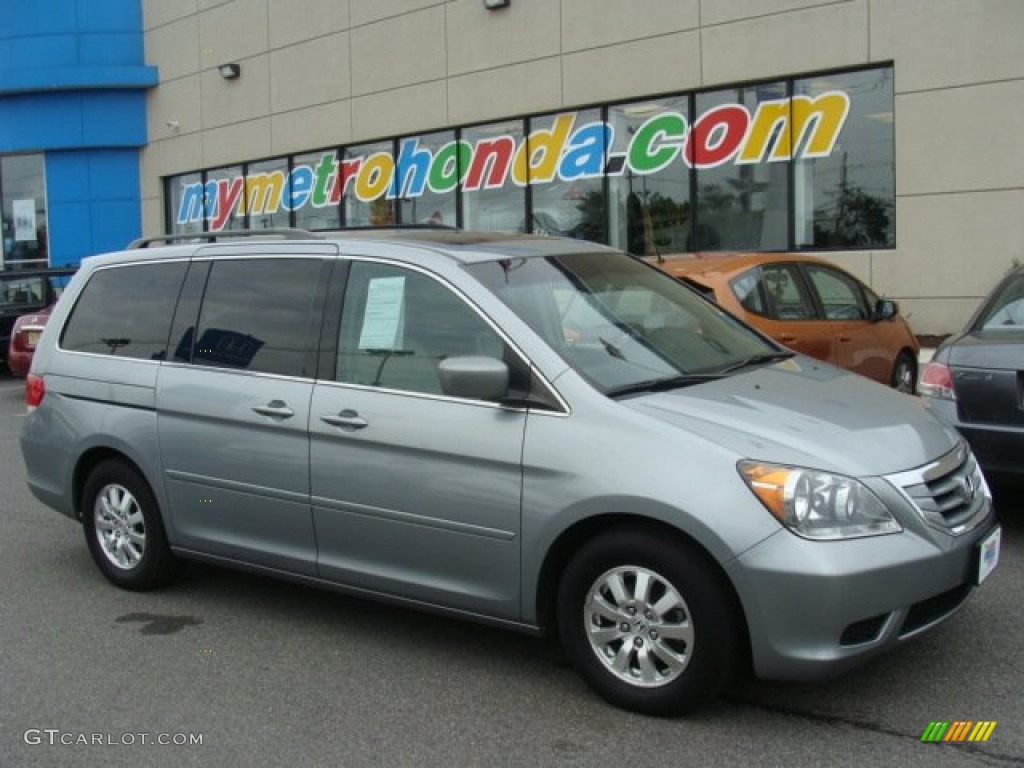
(227, 234)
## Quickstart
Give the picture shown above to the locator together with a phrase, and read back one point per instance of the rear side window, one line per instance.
(258, 315)
(126, 311)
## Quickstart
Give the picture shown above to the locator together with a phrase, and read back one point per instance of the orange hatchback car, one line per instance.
(810, 306)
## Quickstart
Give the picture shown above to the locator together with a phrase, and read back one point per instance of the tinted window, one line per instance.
(774, 290)
(840, 296)
(397, 325)
(126, 311)
(258, 315)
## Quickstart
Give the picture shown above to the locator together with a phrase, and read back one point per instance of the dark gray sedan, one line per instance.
(975, 381)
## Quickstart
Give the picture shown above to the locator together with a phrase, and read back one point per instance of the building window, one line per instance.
(741, 206)
(268, 194)
(649, 201)
(427, 174)
(846, 198)
(566, 159)
(23, 211)
(492, 199)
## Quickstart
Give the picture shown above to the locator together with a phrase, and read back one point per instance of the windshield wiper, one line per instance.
(762, 359)
(662, 385)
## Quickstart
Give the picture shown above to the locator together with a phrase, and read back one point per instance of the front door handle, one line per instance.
(786, 339)
(276, 409)
(347, 419)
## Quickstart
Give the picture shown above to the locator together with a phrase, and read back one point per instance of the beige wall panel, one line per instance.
(237, 143)
(937, 317)
(205, 5)
(174, 48)
(960, 139)
(941, 43)
(295, 21)
(173, 102)
(223, 36)
(480, 39)
(398, 52)
(953, 245)
(505, 92)
(369, 11)
(594, 23)
(311, 73)
(402, 110)
(168, 158)
(152, 216)
(311, 128)
(723, 11)
(857, 263)
(786, 44)
(232, 101)
(628, 70)
(155, 13)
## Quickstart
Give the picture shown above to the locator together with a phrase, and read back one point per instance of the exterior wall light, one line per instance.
(493, 5)
(230, 71)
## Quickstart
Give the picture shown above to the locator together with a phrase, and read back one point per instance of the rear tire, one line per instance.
(904, 374)
(123, 528)
(648, 622)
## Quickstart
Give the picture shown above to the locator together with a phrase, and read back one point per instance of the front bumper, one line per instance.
(815, 609)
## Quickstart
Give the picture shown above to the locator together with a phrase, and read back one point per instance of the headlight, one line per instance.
(818, 505)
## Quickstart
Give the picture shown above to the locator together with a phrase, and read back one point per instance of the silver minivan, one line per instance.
(539, 433)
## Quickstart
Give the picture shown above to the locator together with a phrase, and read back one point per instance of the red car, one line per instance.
(24, 336)
(26, 297)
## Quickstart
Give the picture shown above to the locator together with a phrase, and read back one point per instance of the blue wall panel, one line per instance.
(92, 202)
(72, 86)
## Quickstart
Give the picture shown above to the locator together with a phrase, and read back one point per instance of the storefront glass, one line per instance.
(224, 196)
(23, 211)
(740, 206)
(186, 197)
(426, 177)
(567, 185)
(264, 182)
(649, 211)
(847, 199)
(491, 198)
(367, 171)
(320, 211)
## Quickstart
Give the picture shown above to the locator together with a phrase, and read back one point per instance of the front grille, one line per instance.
(934, 608)
(950, 494)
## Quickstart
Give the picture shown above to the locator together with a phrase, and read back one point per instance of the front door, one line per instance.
(415, 494)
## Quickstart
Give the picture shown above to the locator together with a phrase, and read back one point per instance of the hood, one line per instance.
(806, 413)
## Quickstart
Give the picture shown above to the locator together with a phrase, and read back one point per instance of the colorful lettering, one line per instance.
(781, 129)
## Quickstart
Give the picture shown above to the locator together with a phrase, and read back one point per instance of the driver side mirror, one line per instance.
(886, 309)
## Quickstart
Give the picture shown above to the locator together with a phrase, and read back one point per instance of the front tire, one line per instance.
(648, 622)
(123, 528)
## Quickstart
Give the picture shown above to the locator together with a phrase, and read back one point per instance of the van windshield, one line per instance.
(622, 324)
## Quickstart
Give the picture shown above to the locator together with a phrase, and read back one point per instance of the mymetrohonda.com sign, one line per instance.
(778, 130)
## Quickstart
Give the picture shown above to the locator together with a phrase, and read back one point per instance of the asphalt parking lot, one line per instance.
(269, 674)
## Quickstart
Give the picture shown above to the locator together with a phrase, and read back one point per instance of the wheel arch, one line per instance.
(91, 459)
(575, 536)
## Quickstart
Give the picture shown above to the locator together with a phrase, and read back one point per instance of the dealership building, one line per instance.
(882, 134)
